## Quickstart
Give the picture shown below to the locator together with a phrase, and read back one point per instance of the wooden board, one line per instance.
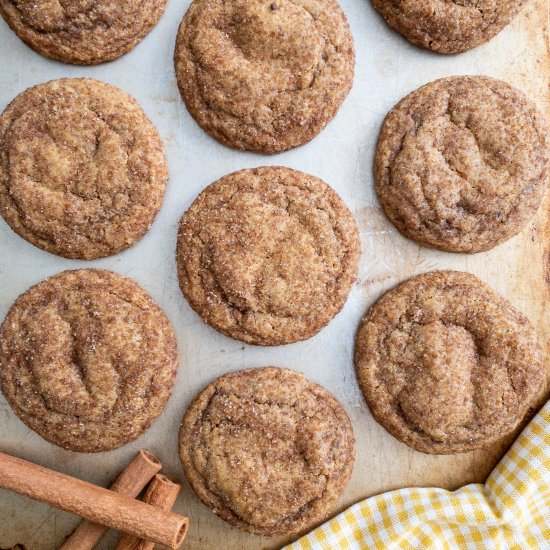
(387, 68)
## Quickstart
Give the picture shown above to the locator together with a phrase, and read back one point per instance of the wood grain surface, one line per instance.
(387, 69)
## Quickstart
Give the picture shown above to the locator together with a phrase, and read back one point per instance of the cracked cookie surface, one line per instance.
(462, 163)
(82, 169)
(448, 26)
(87, 359)
(267, 255)
(446, 364)
(83, 32)
(261, 75)
(267, 450)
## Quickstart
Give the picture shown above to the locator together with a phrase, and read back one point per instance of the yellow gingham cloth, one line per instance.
(510, 511)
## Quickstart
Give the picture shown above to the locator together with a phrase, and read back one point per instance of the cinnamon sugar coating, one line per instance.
(82, 169)
(88, 360)
(267, 450)
(447, 365)
(261, 75)
(267, 255)
(448, 26)
(84, 32)
(462, 163)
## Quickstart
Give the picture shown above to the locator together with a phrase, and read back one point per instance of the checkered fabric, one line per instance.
(510, 511)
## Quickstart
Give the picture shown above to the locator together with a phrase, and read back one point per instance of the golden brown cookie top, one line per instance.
(462, 163)
(267, 450)
(264, 75)
(84, 32)
(446, 364)
(267, 255)
(448, 26)
(87, 360)
(82, 169)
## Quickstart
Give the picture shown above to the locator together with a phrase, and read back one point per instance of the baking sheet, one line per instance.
(387, 68)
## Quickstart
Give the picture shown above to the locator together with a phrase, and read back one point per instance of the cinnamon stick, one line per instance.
(131, 482)
(161, 493)
(94, 503)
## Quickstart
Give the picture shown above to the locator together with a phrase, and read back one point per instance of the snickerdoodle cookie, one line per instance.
(267, 255)
(82, 169)
(84, 32)
(448, 26)
(87, 360)
(267, 75)
(446, 364)
(267, 450)
(462, 163)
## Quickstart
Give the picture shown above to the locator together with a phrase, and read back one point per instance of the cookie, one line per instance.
(267, 450)
(264, 76)
(82, 169)
(84, 32)
(448, 26)
(446, 364)
(87, 360)
(462, 163)
(268, 255)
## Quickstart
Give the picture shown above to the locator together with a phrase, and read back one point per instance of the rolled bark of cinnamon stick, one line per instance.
(130, 482)
(161, 493)
(94, 503)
